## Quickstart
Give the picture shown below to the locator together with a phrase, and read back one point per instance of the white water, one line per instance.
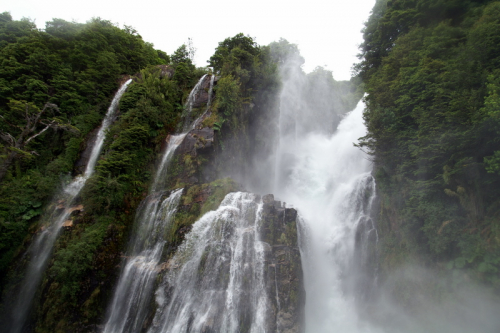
(176, 140)
(188, 107)
(216, 280)
(328, 180)
(209, 102)
(128, 308)
(133, 292)
(161, 172)
(41, 248)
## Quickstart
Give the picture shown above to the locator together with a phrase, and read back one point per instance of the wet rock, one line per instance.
(204, 139)
(268, 199)
(285, 277)
(68, 223)
(202, 95)
(75, 209)
(197, 146)
(197, 141)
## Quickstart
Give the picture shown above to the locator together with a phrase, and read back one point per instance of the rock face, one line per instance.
(166, 70)
(202, 95)
(197, 141)
(195, 149)
(284, 269)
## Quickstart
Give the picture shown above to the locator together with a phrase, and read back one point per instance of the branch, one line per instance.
(34, 119)
(50, 105)
(16, 151)
(37, 134)
(58, 124)
(8, 138)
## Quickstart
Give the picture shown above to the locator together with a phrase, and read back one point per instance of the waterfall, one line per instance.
(209, 102)
(176, 140)
(128, 308)
(329, 182)
(43, 243)
(161, 172)
(188, 107)
(216, 280)
(212, 80)
(133, 292)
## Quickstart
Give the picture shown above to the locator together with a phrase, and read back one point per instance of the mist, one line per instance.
(312, 165)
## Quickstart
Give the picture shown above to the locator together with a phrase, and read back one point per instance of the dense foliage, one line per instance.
(85, 259)
(247, 84)
(72, 68)
(55, 86)
(245, 69)
(431, 70)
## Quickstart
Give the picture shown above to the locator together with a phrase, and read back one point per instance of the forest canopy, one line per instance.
(431, 72)
(55, 86)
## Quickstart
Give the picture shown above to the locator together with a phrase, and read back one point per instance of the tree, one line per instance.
(239, 50)
(35, 123)
(181, 55)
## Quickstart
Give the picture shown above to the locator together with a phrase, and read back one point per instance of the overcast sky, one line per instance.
(327, 32)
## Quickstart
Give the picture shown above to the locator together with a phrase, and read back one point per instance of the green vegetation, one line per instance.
(55, 87)
(246, 69)
(195, 202)
(245, 99)
(431, 69)
(150, 110)
(60, 78)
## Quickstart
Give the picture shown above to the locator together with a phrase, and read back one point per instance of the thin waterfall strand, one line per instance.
(133, 292)
(161, 173)
(209, 102)
(188, 107)
(41, 248)
(127, 310)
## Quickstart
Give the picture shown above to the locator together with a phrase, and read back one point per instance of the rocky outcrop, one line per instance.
(191, 157)
(202, 95)
(284, 269)
(166, 70)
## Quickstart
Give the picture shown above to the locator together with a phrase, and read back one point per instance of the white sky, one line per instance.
(327, 32)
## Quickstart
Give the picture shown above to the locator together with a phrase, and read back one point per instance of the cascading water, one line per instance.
(176, 140)
(328, 180)
(209, 102)
(41, 248)
(217, 279)
(129, 306)
(161, 172)
(188, 107)
(133, 292)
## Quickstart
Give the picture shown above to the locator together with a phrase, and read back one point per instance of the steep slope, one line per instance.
(431, 72)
